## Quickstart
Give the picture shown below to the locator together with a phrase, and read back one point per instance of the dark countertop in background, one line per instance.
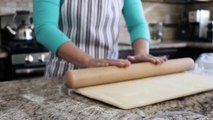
(48, 99)
(173, 45)
(3, 54)
(200, 45)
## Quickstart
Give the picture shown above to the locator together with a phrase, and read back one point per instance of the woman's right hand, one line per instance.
(92, 62)
(74, 55)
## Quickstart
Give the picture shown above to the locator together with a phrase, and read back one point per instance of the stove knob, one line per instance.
(29, 59)
(41, 58)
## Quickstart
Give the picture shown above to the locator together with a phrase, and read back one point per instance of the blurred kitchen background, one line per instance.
(178, 28)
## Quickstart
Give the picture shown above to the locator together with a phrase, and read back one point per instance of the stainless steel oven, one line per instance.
(28, 65)
(26, 58)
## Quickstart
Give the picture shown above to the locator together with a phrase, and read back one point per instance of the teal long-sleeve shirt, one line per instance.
(46, 19)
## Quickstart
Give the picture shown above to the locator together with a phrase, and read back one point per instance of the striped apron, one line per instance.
(93, 26)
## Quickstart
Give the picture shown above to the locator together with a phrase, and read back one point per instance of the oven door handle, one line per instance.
(29, 70)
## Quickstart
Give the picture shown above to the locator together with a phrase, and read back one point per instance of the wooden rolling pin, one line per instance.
(96, 76)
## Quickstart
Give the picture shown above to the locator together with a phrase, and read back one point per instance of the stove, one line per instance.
(27, 58)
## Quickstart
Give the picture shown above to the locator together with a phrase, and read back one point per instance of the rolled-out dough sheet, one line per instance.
(142, 92)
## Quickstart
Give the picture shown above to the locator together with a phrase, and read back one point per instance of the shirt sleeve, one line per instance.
(46, 17)
(135, 20)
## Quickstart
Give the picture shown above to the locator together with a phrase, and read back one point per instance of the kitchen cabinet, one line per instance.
(170, 53)
(193, 52)
(4, 69)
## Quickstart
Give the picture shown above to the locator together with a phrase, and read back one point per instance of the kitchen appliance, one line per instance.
(23, 32)
(27, 58)
(23, 26)
(210, 32)
(156, 32)
(183, 27)
(198, 21)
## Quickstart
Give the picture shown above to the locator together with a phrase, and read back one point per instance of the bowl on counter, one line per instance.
(204, 63)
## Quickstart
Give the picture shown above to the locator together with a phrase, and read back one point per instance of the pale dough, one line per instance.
(141, 92)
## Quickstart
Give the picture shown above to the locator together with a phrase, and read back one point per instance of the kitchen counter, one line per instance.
(3, 54)
(173, 45)
(200, 45)
(48, 99)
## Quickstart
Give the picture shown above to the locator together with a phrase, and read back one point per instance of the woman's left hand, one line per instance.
(147, 58)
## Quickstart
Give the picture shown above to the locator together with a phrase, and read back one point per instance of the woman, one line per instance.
(84, 33)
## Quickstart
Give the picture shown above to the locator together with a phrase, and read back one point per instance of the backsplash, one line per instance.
(205, 6)
(168, 14)
(10, 6)
(161, 12)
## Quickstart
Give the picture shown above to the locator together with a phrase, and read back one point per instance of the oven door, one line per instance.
(28, 65)
(24, 72)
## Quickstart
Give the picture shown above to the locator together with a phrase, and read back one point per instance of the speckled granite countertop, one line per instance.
(48, 99)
